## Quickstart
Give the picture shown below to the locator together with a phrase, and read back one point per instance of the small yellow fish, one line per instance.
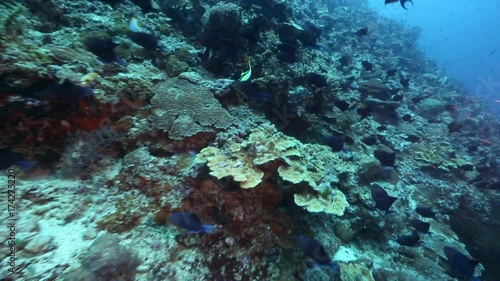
(245, 76)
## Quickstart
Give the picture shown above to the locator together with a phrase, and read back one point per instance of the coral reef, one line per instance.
(351, 272)
(85, 149)
(107, 259)
(118, 146)
(265, 148)
(183, 110)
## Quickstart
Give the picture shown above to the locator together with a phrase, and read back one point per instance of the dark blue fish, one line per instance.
(364, 111)
(391, 72)
(362, 32)
(409, 240)
(316, 253)
(316, 80)
(454, 126)
(287, 47)
(9, 159)
(287, 57)
(367, 65)
(426, 212)
(190, 222)
(370, 140)
(420, 226)
(253, 92)
(403, 2)
(342, 105)
(405, 82)
(67, 93)
(288, 50)
(461, 266)
(382, 200)
(386, 158)
(146, 40)
(335, 143)
(103, 49)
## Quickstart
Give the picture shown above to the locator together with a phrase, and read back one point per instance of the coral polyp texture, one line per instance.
(183, 109)
(266, 150)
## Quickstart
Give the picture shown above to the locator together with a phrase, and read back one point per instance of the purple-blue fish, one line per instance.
(9, 158)
(409, 240)
(382, 200)
(426, 212)
(190, 222)
(461, 265)
(402, 2)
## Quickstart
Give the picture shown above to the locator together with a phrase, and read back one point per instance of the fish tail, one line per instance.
(335, 267)
(121, 61)
(209, 228)
(26, 166)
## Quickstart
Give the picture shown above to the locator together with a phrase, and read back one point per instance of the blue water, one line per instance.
(461, 36)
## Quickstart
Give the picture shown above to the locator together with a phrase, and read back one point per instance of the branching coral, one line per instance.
(266, 149)
(183, 110)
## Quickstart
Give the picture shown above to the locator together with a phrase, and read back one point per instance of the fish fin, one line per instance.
(121, 61)
(335, 267)
(245, 76)
(403, 3)
(209, 228)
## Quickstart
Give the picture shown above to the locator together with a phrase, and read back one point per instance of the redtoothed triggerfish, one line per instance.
(190, 222)
(403, 2)
(461, 265)
(9, 158)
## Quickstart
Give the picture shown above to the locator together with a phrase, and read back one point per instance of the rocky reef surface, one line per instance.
(269, 120)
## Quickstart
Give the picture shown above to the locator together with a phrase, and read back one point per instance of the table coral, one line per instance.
(222, 166)
(183, 110)
(330, 204)
(267, 150)
(355, 272)
(437, 155)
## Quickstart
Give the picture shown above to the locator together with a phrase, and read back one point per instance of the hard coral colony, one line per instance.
(237, 140)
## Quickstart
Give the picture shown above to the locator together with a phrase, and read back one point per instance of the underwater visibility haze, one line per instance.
(461, 38)
(249, 140)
